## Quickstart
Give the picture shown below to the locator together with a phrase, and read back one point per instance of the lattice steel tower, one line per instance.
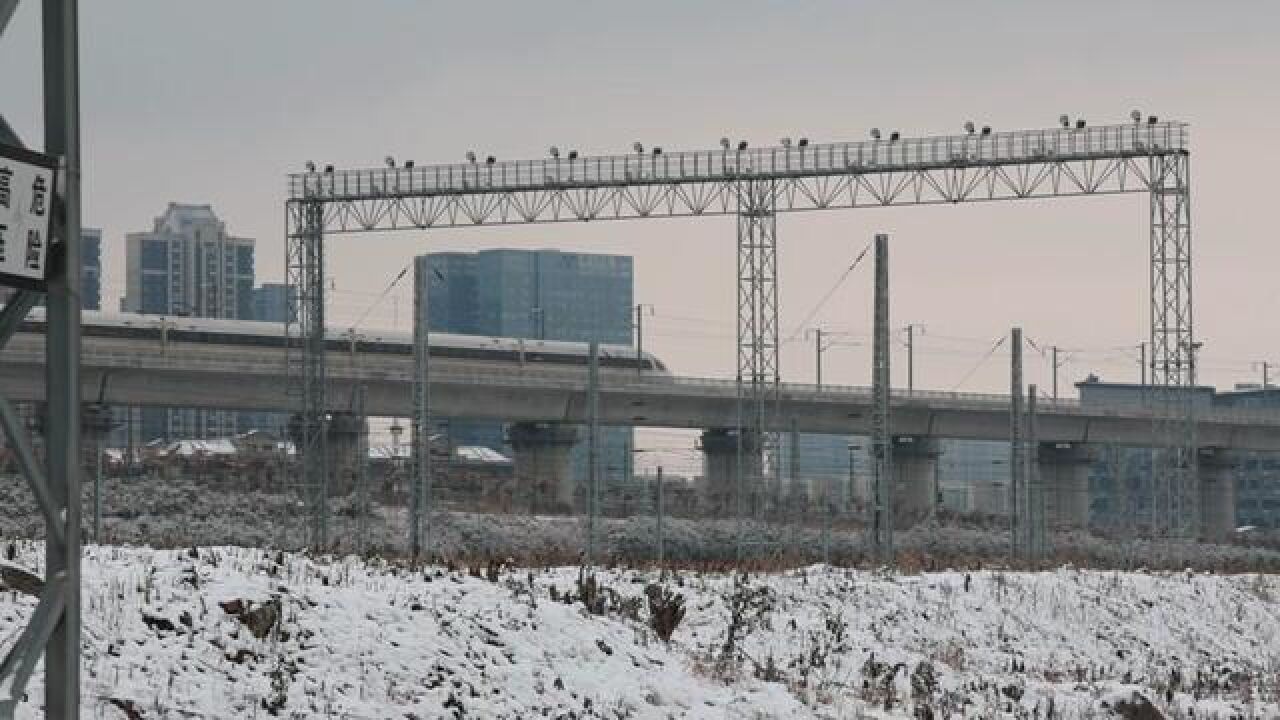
(1176, 495)
(758, 370)
(305, 355)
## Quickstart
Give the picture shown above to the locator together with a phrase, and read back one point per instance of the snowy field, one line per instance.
(244, 633)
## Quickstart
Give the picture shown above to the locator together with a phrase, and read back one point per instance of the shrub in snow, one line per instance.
(748, 606)
(666, 610)
(924, 683)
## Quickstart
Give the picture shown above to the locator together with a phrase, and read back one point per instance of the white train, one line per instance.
(264, 334)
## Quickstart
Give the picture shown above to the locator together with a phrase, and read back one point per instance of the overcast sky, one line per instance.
(216, 102)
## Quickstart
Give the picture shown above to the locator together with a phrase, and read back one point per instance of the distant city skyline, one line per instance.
(1072, 273)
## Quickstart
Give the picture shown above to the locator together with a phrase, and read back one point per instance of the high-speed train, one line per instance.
(162, 329)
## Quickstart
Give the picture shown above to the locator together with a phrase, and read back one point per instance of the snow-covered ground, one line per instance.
(363, 639)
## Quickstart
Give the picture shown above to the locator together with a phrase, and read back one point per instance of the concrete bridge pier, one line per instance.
(1217, 493)
(95, 422)
(345, 430)
(542, 466)
(719, 477)
(1064, 479)
(915, 465)
(342, 456)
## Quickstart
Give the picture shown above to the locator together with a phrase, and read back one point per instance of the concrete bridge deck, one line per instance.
(131, 372)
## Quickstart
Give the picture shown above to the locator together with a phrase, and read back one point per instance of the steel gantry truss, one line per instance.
(756, 184)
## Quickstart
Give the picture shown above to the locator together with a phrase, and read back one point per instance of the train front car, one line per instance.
(374, 350)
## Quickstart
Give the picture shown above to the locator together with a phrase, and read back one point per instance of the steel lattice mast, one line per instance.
(758, 370)
(305, 333)
(1149, 157)
(1175, 509)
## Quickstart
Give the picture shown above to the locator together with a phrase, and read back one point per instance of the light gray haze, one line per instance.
(216, 102)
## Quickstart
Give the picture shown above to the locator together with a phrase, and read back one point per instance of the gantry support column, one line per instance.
(758, 374)
(304, 330)
(1064, 479)
(720, 455)
(542, 465)
(1217, 468)
(915, 465)
(1175, 496)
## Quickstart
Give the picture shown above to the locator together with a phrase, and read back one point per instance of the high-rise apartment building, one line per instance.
(187, 265)
(536, 294)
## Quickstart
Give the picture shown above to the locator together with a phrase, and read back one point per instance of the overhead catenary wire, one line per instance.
(383, 295)
(825, 298)
(984, 359)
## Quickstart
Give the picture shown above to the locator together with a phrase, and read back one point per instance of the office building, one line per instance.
(271, 303)
(90, 269)
(536, 294)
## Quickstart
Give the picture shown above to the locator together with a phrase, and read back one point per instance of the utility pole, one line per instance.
(851, 485)
(1266, 367)
(911, 356)
(881, 525)
(362, 470)
(593, 446)
(817, 355)
(794, 490)
(1055, 372)
(640, 313)
(420, 486)
(1142, 362)
(1016, 467)
(662, 557)
(98, 448)
(822, 342)
(1036, 531)
(827, 509)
